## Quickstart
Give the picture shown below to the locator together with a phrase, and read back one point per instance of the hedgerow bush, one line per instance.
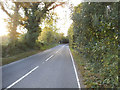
(94, 34)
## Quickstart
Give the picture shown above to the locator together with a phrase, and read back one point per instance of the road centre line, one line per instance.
(49, 58)
(29, 72)
(53, 55)
(59, 49)
(75, 70)
(21, 78)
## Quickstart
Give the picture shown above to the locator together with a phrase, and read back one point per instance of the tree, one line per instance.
(49, 33)
(12, 20)
(35, 13)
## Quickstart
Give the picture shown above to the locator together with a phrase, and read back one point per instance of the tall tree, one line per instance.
(13, 20)
(34, 14)
(49, 33)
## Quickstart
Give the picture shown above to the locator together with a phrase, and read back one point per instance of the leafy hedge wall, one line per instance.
(94, 34)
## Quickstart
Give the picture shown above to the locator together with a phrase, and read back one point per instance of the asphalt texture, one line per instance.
(52, 68)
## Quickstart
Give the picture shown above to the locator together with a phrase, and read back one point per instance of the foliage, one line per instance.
(12, 10)
(34, 14)
(4, 40)
(94, 33)
(28, 15)
(50, 33)
(18, 56)
(30, 18)
(32, 25)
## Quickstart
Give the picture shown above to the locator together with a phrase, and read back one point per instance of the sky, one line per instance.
(64, 15)
(3, 25)
(63, 23)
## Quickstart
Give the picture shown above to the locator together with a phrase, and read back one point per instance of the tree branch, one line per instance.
(2, 7)
(49, 4)
(57, 5)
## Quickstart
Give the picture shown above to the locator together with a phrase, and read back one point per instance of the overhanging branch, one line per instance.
(57, 5)
(2, 7)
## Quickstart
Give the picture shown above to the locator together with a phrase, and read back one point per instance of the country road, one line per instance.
(53, 68)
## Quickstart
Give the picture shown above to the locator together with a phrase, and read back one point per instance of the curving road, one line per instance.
(53, 68)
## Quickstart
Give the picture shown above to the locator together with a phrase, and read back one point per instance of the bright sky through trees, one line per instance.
(3, 25)
(63, 14)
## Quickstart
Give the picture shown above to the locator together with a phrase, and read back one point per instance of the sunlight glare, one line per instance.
(3, 24)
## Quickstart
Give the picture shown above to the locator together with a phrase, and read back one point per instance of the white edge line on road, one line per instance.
(49, 58)
(75, 70)
(21, 78)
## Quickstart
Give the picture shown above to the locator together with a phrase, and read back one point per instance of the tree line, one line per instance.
(30, 16)
(94, 35)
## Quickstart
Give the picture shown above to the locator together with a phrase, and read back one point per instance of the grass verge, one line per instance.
(19, 56)
(86, 76)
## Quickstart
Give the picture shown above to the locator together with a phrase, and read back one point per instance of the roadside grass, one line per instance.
(89, 79)
(22, 55)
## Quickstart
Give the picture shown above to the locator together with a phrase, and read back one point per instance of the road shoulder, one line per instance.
(78, 70)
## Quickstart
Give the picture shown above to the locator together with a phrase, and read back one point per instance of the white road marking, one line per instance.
(75, 70)
(59, 49)
(49, 58)
(53, 55)
(21, 78)
(43, 62)
(56, 52)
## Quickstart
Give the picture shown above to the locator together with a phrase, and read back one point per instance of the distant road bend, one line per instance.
(53, 68)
